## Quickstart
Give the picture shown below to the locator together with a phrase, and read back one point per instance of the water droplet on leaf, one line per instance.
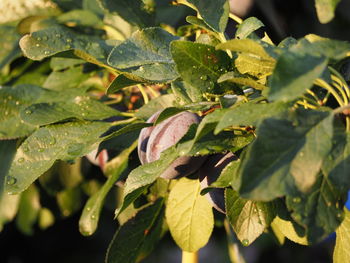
(245, 242)
(28, 112)
(11, 180)
(52, 141)
(296, 199)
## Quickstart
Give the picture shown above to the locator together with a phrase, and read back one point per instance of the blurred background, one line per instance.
(62, 241)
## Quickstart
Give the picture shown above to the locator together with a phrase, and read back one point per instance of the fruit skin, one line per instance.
(209, 173)
(144, 137)
(164, 135)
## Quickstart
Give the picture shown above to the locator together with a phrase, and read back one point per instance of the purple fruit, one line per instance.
(143, 138)
(164, 135)
(210, 172)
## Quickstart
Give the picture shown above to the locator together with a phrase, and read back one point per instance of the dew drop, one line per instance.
(83, 114)
(52, 141)
(6, 113)
(40, 150)
(21, 160)
(46, 52)
(11, 180)
(67, 46)
(9, 97)
(339, 215)
(28, 112)
(69, 40)
(38, 38)
(88, 209)
(17, 102)
(93, 217)
(142, 69)
(301, 154)
(194, 67)
(58, 35)
(296, 199)
(37, 45)
(26, 149)
(45, 38)
(65, 133)
(204, 77)
(329, 204)
(245, 242)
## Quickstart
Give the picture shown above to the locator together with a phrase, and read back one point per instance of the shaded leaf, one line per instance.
(9, 49)
(132, 236)
(250, 114)
(216, 20)
(135, 11)
(189, 215)
(121, 82)
(270, 162)
(294, 74)
(288, 230)
(155, 105)
(319, 211)
(69, 201)
(8, 208)
(7, 153)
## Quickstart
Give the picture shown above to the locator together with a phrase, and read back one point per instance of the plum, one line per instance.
(144, 137)
(210, 172)
(164, 135)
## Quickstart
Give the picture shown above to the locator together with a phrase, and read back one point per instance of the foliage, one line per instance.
(80, 77)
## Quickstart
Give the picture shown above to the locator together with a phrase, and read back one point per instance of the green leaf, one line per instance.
(246, 114)
(294, 74)
(189, 215)
(319, 46)
(121, 82)
(198, 22)
(89, 218)
(199, 65)
(248, 218)
(247, 27)
(48, 144)
(216, 20)
(130, 238)
(337, 164)
(69, 201)
(146, 54)
(325, 10)
(64, 80)
(80, 107)
(185, 93)
(7, 153)
(341, 252)
(57, 63)
(56, 39)
(319, 211)
(271, 162)
(81, 18)
(12, 101)
(9, 49)
(135, 11)
(155, 105)
(141, 177)
(287, 228)
(28, 210)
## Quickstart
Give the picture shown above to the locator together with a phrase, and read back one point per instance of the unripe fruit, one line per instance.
(209, 173)
(164, 135)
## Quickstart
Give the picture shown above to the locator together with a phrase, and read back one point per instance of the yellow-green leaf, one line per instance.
(341, 251)
(189, 215)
